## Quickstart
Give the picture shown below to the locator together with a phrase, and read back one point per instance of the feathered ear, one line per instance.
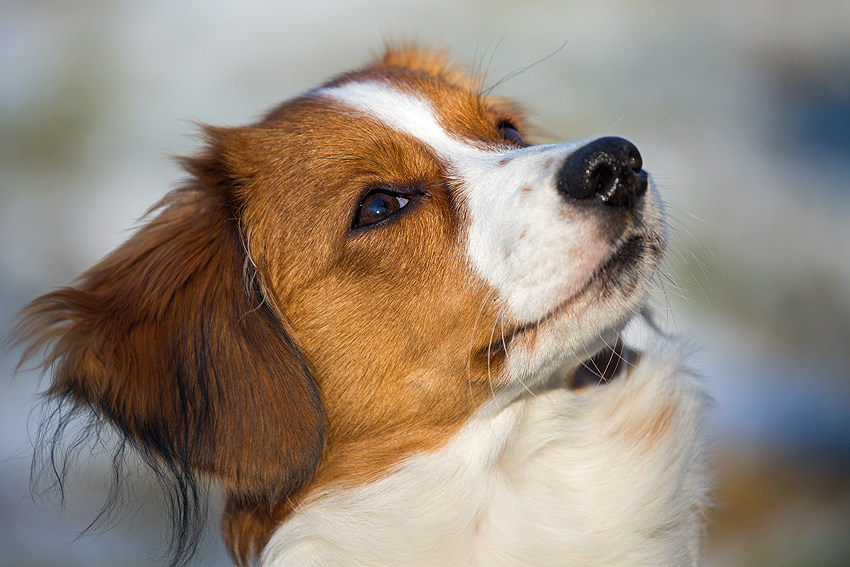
(171, 339)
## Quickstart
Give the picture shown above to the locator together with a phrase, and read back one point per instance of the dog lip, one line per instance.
(626, 251)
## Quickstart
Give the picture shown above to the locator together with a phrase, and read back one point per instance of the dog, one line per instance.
(389, 328)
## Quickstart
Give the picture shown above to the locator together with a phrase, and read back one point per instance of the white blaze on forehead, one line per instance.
(401, 111)
(522, 239)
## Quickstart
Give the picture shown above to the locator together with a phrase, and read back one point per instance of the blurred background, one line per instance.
(741, 109)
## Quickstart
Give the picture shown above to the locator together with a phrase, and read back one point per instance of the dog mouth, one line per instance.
(613, 274)
(619, 272)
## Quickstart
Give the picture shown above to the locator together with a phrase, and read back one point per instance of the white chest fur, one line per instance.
(614, 476)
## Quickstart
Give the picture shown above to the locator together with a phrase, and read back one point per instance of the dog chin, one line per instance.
(545, 356)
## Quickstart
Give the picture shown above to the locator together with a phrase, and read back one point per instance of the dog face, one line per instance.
(480, 272)
(347, 281)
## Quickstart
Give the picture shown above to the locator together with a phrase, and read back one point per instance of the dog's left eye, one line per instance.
(377, 206)
(510, 133)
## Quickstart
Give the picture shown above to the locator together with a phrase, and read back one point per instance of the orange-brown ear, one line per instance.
(171, 339)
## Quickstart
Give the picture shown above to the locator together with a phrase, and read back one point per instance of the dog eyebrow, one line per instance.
(403, 112)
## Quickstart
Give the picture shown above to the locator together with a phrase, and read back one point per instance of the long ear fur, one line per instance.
(171, 340)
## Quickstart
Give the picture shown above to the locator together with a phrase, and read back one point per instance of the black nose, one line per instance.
(608, 169)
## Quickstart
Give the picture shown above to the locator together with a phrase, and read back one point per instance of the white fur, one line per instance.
(554, 479)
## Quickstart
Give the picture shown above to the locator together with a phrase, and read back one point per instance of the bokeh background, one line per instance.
(741, 109)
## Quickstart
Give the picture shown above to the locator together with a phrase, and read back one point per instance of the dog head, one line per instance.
(346, 281)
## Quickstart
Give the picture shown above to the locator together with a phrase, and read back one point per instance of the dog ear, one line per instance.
(171, 339)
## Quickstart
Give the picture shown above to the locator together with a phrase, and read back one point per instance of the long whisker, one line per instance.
(471, 348)
(490, 352)
(513, 74)
(505, 349)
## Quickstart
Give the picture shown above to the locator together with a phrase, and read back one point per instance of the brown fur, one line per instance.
(248, 332)
(168, 340)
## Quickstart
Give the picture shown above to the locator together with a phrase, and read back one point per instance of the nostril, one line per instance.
(600, 177)
(609, 169)
(635, 160)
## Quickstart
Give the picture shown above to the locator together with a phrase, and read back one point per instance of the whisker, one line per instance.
(490, 353)
(616, 122)
(471, 348)
(522, 70)
(505, 349)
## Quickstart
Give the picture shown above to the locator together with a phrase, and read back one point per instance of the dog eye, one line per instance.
(510, 133)
(377, 206)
